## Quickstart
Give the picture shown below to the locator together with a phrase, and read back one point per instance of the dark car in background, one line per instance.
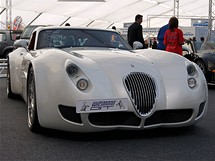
(7, 38)
(204, 58)
(26, 34)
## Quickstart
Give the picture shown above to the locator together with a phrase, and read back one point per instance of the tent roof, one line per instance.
(104, 14)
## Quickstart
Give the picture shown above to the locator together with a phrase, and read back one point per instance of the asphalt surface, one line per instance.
(18, 143)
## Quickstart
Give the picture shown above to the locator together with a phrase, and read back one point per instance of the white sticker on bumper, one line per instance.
(101, 105)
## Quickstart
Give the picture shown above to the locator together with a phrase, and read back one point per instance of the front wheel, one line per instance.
(202, 66)
(6, 53)
(33, 122)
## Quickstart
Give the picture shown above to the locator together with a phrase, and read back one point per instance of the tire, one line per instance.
(202, 66)
(33, 122)
(6, 53)
(10, 94)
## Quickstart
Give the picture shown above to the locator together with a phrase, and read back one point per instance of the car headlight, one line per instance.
(82, 84)
(72, 69)
(191, 82)
(191, 70)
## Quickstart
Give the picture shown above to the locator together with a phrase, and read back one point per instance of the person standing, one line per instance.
(154, 43)
(135, 31)
(160, 37)
(173, 37)
(198, 44)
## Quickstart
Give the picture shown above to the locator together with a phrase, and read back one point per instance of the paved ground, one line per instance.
(17, 143)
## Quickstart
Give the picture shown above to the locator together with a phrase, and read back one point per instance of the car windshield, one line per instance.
(66, 38)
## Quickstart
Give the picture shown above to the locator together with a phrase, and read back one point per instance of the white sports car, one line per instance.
(88, 80)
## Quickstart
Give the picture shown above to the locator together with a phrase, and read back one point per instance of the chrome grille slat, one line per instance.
(141, 98)
(149, 85)
(142, 91)
(144, 94)
(138, 93)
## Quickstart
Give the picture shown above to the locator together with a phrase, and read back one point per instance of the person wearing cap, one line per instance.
(135, 31)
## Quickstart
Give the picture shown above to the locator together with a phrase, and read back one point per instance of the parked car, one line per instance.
(7, 38)
(90, 80)
(204, 58)
(26, 34)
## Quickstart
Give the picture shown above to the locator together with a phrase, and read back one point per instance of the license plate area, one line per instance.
(101, 105)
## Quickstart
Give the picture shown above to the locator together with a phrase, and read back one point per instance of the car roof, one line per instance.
(69, 27)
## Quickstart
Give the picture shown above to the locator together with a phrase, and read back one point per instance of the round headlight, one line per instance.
(191, 70)
(72, 69)
(191, 82)
(82, 84)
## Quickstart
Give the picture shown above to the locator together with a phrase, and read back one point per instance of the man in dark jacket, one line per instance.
(135, 31)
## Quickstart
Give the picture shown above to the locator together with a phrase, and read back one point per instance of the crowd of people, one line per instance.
(169, 38)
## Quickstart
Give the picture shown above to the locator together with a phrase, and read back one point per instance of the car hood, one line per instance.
(109, 56)
(111, 59)
(119, 63)
(115, 58)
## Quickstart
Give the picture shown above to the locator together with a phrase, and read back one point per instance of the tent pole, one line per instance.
(211, 17)
(2, 11)
(65, 21)
(35, 18)
(90, 23)
(110, 25)
(176, 8)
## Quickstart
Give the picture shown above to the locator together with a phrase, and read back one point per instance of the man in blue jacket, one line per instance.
(160, 37)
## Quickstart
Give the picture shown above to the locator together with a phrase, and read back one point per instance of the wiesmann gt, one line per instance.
(88, 80)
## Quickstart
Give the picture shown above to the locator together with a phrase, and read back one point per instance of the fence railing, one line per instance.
(3, 68)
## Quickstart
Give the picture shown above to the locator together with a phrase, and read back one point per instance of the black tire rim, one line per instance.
(202, 66)
(31, 101)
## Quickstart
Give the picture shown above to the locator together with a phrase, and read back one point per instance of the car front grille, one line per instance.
(142, 90)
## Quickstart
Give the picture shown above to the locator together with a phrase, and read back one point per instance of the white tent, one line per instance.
(103, 14)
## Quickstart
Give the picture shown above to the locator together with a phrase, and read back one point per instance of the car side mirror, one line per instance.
(137, 45)
(20, 43)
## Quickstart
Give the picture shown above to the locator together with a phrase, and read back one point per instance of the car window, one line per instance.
(14, 35)
(64, 38)
(27, 32)
(32, 41)
(2, 37)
